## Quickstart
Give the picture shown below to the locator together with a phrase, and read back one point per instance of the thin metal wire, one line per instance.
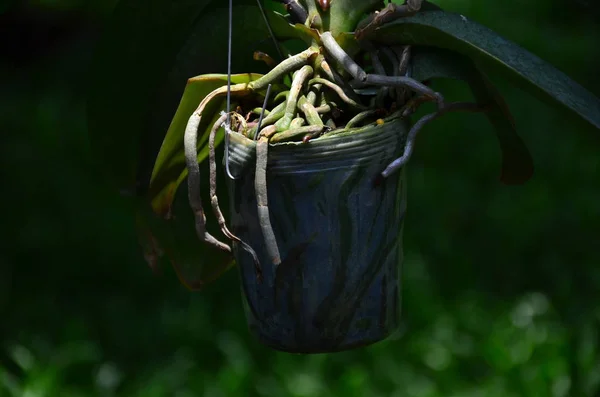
(228, 122)
(262, 112)
(264, 15)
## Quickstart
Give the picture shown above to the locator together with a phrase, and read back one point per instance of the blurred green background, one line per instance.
(501, 284)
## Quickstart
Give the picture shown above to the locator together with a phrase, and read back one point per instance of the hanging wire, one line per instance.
(275, 42)
(228, 122)
(229, 51)
(262, 112)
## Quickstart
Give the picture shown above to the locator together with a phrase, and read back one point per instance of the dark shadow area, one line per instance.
(501, 284)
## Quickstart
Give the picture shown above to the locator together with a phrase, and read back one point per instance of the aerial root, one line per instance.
(306, 112)
(297, 123)
(359, 118)
(310, 112)
(260, 187)
(338, 90)
(416, 128)
(194, 184)
(190, 142)
(292, 101)
(378, 79)
(266, 58)
(310, 130)
(341, 57)
(215, 201)
(389, 14)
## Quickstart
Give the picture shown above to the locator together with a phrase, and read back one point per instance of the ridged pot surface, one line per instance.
(339, 236)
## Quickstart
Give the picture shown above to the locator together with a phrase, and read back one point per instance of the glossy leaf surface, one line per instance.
(493, 53)
(169, 169)
(147, 54)
(174, 238)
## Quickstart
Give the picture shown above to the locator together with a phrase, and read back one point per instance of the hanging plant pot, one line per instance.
(320, 261)
(338, 234)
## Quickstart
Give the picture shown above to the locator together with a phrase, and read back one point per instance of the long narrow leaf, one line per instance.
(432, 63)
(517, 164)
(169, 169)
(194, 262)
(493, 53)
(140, 69)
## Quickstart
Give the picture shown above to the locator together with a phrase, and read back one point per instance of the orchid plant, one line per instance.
(328, 67)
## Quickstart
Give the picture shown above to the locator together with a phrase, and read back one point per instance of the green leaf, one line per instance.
(194, 262)
(141, 66)
(170, 170)
(283, 30)
(140, 69)
(493, 53)
(432, 63)
(517, 164)
(345, 14)
(148, 51)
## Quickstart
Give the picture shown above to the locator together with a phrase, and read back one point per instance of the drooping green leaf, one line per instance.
(493, 53)
(432, 63)
(169, 169)
(517, 164)
(174, 237)
(140, 69)
(283, 30)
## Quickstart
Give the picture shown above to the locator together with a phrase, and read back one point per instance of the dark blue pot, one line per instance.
(338, 233)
